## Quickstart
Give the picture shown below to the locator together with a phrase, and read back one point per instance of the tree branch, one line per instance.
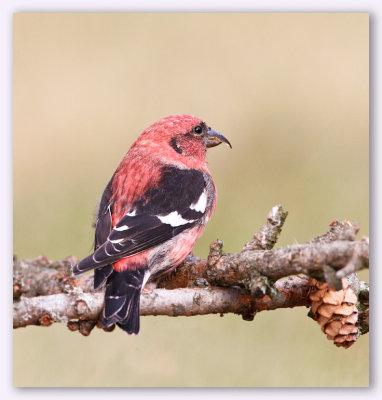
(44, 310)
(222, 269)
(244, 283)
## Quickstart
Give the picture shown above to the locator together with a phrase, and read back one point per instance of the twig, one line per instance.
(268, 235)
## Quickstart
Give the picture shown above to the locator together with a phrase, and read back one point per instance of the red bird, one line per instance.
(152, 211)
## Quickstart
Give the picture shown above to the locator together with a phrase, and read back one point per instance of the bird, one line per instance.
(151, 213)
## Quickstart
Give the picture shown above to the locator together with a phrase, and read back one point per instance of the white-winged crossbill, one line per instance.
(152, 211)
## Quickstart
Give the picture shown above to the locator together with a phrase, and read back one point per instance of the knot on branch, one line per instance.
(260, 285)
(81, 307)
(45, 320)
(83, 326)
(216, 251)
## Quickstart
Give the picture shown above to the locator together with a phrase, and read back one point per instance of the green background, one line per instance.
(291, 93)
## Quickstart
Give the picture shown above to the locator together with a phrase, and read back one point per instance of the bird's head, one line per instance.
(180, 139)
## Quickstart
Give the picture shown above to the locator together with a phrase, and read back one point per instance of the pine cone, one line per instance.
(336, 312)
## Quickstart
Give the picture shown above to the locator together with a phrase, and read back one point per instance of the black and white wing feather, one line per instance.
(179, 202)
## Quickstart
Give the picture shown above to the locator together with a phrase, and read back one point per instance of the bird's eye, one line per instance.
(198, 129)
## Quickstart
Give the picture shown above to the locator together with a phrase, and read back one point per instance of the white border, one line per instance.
(7, 7)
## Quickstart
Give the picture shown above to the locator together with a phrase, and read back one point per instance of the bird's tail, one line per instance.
(123, 290)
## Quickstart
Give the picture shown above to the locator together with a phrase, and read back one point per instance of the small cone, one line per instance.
(336, 312)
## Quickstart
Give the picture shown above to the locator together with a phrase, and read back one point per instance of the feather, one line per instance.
(122, 295)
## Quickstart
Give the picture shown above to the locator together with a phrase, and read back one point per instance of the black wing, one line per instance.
(177, 203)
(103, 229)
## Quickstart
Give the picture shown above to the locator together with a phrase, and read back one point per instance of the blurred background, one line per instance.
(291, 93)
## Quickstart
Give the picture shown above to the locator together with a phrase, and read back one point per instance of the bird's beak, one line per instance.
(214, 138)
